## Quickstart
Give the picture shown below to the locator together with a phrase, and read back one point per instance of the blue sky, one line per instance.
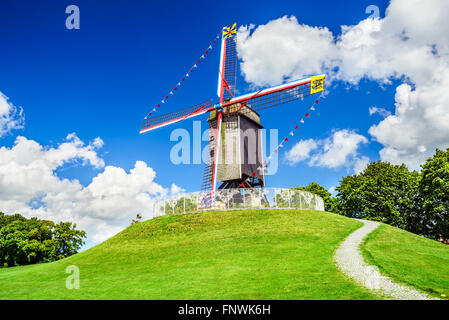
(101, 80)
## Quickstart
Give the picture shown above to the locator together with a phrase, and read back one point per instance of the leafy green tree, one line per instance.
(181, 205)
(434, 194)
(382, 192)
(26, 241)
(329, 201)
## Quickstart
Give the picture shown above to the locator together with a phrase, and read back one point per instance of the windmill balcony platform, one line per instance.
(238, 198)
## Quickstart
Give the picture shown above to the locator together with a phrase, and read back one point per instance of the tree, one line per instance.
(434, 194)
(26, 241)
(329, 201)
(382, 192)
(180, 205)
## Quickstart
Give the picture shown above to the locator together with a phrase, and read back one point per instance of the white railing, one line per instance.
(229, 199)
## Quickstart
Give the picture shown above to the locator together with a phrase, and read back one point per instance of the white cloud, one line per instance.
(176, 190)
(340, 149)
(29, 185)
(411, 44)
(11, 117)
(283, 49)
(300, 151)
(360, 164)
(381, 111)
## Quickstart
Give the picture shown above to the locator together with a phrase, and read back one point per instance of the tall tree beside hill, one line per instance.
(27, 241)
(382, 192)
(434, 194)
(329, 201)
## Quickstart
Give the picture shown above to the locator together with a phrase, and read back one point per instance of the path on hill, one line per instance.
(350, 261)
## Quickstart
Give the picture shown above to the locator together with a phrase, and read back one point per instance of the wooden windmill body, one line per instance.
(241, 148)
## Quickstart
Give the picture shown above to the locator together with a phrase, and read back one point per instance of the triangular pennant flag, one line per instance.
(254, 174)
(270, 157)
(296, 127)
(171, 92)
(162, 101)
(307, 115)
(275, 151)
(179, 83)
(281, 145)
(265, 163)
(242, 185)
(187, 74)
(166, 97)
(154, 109)
(302, 121)
(291, 133)
(317, 102)
(312, 108)
(158, 105)
(286, 139)
(202, 56)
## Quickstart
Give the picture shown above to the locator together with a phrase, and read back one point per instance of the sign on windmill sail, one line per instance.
(316, 84)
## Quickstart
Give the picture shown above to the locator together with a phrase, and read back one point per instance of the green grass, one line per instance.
(409, 259)
(251, 254)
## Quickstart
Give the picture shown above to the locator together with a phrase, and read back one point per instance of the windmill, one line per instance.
(235, 159)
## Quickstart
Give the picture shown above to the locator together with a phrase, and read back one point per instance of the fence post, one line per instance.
(275, 199)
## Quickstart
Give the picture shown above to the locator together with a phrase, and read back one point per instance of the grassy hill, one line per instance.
(409, 259)
(252, 254)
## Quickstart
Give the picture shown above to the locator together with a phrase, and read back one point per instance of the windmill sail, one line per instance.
(227, 75)
(149, 124)
(277, 95)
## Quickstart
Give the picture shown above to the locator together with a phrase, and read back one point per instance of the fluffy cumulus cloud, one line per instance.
(300, 151)
(340, 149)
(283, 49)
(410, 44)
(380, 111)
(29, 184)
(11, 117)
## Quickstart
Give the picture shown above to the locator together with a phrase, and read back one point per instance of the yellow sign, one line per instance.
(317, 84)
(228, 32)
